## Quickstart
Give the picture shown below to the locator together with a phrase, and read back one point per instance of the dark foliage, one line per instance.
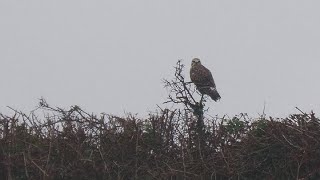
(168, 144)
(72, 144)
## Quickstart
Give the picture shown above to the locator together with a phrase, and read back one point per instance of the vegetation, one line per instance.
(169, 144)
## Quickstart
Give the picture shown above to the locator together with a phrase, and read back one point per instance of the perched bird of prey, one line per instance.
(202, 78)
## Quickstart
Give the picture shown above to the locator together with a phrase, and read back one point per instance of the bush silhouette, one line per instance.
(168, 144)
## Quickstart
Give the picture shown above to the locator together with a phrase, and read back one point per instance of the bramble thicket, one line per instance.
(180, 143)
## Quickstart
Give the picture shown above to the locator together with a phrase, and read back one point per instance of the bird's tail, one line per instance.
(214, 94)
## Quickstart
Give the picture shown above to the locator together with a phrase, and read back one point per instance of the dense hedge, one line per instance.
(52, 143)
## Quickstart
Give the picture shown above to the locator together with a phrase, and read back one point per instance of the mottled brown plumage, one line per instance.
(202, 78)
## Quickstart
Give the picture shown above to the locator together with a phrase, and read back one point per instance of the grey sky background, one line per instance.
(111, 56)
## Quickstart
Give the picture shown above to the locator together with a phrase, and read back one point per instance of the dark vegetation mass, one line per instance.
(180, 143)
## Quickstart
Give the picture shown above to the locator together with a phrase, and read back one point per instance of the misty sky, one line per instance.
(111, 56)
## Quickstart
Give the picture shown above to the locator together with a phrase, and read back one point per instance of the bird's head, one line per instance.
(195, 61)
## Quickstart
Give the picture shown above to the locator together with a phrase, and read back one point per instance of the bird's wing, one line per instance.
(207, 77)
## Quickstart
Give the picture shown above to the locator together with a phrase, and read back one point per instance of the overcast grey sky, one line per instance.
(111, 56)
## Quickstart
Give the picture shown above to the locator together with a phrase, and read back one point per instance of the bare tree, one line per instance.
(183, 92)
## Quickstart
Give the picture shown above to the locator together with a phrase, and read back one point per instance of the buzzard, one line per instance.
(202, 78)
